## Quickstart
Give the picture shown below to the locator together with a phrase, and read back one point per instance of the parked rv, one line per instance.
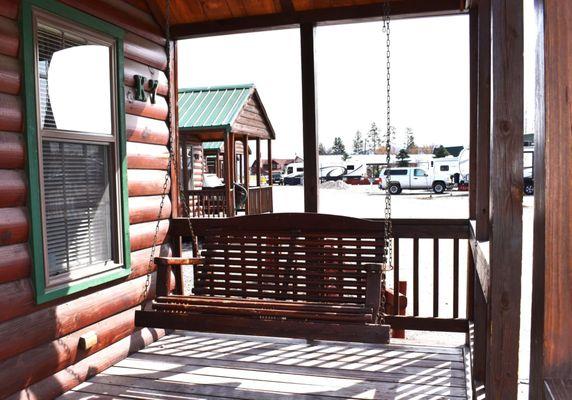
(412, 178)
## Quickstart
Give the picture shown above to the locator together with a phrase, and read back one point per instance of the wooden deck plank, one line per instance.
(335, 346)
(432, 376)
(212, 366)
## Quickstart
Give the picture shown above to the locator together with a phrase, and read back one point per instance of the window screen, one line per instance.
(77, 205)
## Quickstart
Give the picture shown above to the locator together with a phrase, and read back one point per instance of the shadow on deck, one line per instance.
(211, 366)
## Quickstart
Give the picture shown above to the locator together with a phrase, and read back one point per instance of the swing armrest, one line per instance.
(373, 288)
(164, 261)
(165, 277)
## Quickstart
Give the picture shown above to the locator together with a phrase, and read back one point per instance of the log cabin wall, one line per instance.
(39, 355)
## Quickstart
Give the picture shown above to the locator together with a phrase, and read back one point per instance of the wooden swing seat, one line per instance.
(302, 275)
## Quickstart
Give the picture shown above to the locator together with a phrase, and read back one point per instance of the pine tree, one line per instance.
(338, 148)
(441, 152)
(358, 144)
(402, 156)
(373, 138)
(322, 150)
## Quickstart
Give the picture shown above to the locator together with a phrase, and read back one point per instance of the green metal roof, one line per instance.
(212, 107)
(212, 145)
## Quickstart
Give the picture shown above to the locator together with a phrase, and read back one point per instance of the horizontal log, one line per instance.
(146, 182)
(141, 235)
(29, 367)
(9, 8)
(53, 322)
(133, 68)
(146, 209)
(13, 192)
(10, 76)
(9, 37)
(10, 113)
(122, 14)
(145, 51)
(428, 323)
(11, 150)
(13, 225)
(146, 130)
(15, 262)
(158, 110)
(19, 292)
(72, 376)
(147, 156)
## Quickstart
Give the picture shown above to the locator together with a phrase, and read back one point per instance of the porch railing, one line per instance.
(260, 200)
(207, 203)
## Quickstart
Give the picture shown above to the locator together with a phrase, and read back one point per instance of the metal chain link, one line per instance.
(388, 228)
(170, 164)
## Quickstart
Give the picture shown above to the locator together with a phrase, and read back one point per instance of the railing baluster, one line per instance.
(455, 278)
(416, 277)
(435, 277)
(396, 276)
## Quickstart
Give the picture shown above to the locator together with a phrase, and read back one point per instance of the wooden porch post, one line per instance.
(551, 344)
(270, 162)
(258, 163)
(228, 174)
(506, 198)
(246, 173)
(482, 193)
(474, 85)
(309, 117)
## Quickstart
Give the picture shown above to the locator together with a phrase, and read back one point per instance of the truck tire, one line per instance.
(528, 189)
(395, 188)
(439, 187)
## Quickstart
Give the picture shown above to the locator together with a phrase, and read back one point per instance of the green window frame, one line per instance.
(43, 292)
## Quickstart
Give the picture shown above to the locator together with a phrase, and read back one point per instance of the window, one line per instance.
(75, 144)
(395, 172)
(299, 169)
(419, 172)
(444, 168)
(290, 170)
(350, 167)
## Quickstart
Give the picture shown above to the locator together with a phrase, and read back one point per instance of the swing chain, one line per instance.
(388, 228)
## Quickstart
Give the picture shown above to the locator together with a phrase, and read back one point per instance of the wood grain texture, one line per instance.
(9, 37)
(141, 235)
(9, 8)
(11, 150)
(122, 14)
(46, 324)
(144, 51)
(10, 75)
(146, 209)
(557, 207)
(66, 379)
(11, 114)
(506, 198)
(13, 193)
(15, 262)
(13, 225)
(29, 367)
(147, 156)
(474, 115)
(146, 130)
(146, 182)
(146, 109)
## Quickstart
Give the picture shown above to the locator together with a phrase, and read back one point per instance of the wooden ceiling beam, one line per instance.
(287, 6)
(323, 16)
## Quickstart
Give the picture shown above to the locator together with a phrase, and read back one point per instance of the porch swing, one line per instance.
(296, 275)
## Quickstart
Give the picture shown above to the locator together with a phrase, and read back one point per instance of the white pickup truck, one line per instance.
(412, 178)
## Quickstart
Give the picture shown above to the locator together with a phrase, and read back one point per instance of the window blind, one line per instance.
(77, 205)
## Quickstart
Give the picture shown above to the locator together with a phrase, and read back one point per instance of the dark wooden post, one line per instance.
(474, 84)
(551, 328)
(309, 118)
(270, 162)
(484, 123)
(506, 198)
(227, 174)
(246, 173)
(258, 163)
